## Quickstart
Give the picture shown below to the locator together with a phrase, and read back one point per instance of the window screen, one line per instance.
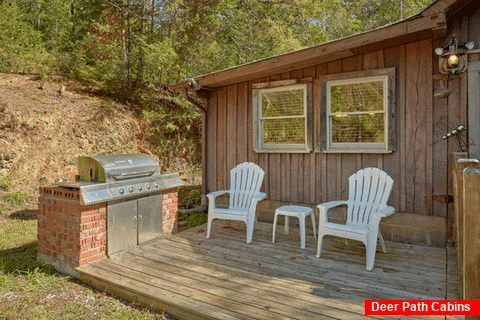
(281, 118)
(357, 113)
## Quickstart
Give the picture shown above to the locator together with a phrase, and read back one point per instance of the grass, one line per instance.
(193, 219)
(32, 290)
(5, 183)
(15, 197)
(19, 269)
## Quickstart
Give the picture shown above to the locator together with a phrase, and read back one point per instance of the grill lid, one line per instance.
(111, 168)
(121, 176)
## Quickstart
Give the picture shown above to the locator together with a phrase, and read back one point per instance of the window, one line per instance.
(358, 111)
(281, 116)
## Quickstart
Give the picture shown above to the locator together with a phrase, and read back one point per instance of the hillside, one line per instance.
(43, 130)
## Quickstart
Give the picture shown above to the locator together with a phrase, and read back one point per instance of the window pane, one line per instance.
(358, 128)
(282, 103)
(353, 97)
(289, 131)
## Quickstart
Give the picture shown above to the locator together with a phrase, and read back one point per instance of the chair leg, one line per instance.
(313, 226)
(287, 218)
(274, 227)
(301, 222)
(371, 246)
(249, 233)
(371, 250)
(250, 224)
(209, 227)
(319, 244)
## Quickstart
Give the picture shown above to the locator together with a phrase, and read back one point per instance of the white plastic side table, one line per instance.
(300, 213)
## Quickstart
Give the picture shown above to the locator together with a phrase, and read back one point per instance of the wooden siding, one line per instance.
(463, 23)
(418, 165)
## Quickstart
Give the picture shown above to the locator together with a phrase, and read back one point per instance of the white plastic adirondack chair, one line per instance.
(245, 182)
(369, 190)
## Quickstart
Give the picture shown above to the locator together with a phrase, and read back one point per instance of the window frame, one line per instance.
(387, 76)
(258, 119)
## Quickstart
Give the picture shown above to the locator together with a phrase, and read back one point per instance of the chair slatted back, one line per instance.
(245, 181)
(369, 190)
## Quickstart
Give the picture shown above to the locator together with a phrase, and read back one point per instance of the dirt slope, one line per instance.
(43, 130)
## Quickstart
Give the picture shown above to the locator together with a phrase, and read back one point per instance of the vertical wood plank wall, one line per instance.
(419, 165)
(453, 110)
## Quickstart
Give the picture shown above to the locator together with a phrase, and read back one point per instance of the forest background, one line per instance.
(132, 49)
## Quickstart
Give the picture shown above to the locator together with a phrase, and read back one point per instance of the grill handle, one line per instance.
(133, 175)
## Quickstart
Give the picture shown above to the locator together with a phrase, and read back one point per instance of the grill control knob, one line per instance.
(130, 189)
(121, 191)
(140, 188)
(148, 187)
(155, 186)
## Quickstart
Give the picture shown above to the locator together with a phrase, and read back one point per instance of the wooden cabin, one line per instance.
(288, 114)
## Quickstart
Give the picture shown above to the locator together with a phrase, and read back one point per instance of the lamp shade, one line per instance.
(453, 60)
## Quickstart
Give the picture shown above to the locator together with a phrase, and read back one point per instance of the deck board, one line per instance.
(222, 277)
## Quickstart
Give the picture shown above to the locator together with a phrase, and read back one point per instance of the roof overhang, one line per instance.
(430, 23)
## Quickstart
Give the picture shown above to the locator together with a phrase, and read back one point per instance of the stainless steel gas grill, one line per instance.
(115, 177)
(131, 186)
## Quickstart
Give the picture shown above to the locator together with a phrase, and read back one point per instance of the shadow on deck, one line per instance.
(192, 277)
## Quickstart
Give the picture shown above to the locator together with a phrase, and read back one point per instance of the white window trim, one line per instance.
(278, 86)
(387, 76)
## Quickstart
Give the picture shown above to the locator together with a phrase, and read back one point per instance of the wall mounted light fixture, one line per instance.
(453, 57)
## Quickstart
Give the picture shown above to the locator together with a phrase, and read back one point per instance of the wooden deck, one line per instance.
(224, 278)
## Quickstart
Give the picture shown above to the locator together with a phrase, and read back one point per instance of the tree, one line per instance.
(122, 45)
(21, 46)
(342, 18)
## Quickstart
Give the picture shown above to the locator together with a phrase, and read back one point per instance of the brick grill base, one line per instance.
(71, 235)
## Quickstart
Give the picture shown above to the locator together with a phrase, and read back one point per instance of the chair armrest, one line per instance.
(385, 212)
(215, 194)
(324, 207)
(212, 197)
(377, 216)
(260, 196)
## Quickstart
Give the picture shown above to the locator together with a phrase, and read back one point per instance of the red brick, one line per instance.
(86, 254)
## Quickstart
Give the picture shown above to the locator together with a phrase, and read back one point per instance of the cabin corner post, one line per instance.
(459, 167)
(451, 217)
(471, 233)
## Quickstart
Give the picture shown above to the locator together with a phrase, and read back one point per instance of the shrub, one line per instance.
(189, 197)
